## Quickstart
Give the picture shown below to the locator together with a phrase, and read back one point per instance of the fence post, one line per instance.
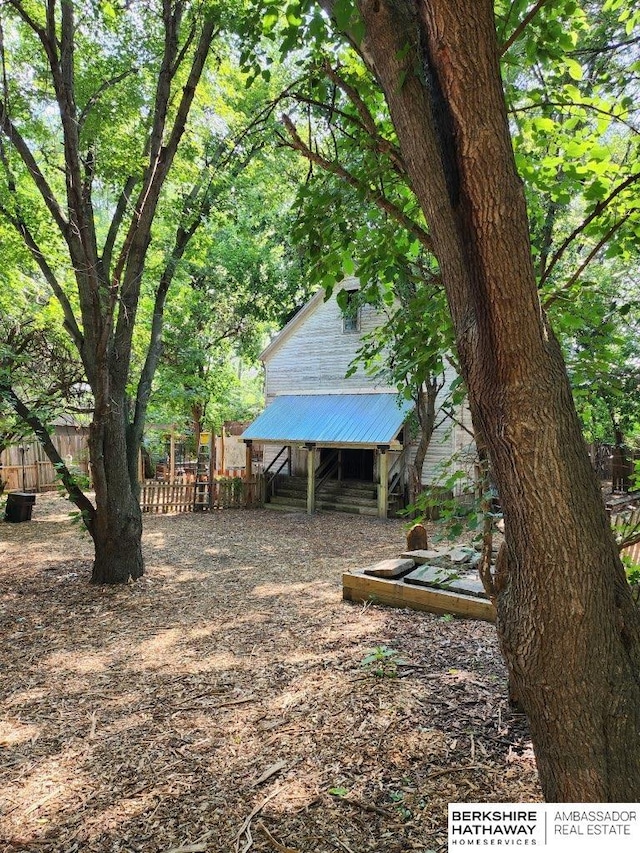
(172, 455)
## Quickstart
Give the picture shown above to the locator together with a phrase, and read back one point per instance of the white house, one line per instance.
(332, 441)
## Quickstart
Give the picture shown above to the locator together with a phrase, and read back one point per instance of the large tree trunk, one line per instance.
(567, 624)
(117, 524)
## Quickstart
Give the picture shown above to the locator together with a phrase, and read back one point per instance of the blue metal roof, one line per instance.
(338, 419)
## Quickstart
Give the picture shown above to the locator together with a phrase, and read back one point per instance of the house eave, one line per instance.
(350, 283)
(291, 326)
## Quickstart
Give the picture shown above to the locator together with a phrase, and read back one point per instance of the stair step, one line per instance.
(289, 499)
(286, 506)
(355, 485)
(280, 502)
(347, 500)
(356, 494)
(296, 485)
(338, 499)
(352, 508)
(290, 490)
(350, 496)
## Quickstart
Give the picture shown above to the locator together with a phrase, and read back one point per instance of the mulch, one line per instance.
(220, 704)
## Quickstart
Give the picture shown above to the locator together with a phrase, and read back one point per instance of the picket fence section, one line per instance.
(627, 527)
(232, 493)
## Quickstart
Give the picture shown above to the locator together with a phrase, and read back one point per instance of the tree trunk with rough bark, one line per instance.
(117, 525)
(567, 624)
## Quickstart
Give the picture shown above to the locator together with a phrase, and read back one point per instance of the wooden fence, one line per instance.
(632, 552)
(234, 493)
(627, 528)
(610, 464)
(31, 470)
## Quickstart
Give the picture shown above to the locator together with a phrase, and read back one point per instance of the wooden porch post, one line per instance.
(212, 466)
(383, 480)
(311, 478)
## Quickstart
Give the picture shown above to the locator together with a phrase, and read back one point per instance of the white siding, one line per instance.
(465, 448)
(316, 354)
(439, 453)
(312, 355)
(449, 448)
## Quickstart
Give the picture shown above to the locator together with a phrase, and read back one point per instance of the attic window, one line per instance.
(351, 313)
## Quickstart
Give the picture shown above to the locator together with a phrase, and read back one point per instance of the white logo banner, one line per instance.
(552, 827)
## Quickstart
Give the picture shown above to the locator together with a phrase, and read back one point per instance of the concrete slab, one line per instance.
(420, 557)
(441, 578)
(390, 568)
(460, 555)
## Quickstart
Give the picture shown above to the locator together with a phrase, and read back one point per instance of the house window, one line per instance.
(351, 313)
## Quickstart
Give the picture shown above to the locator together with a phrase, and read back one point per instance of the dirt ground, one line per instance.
(220, 704)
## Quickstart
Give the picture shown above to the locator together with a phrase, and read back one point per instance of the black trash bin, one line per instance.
(19, 506)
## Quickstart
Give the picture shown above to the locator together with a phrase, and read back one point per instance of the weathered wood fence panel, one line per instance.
(235, 493)
(34, 472)
(167, 497)
(627, 527)
(633, 552)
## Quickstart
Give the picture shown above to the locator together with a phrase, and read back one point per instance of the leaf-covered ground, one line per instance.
(220, 705)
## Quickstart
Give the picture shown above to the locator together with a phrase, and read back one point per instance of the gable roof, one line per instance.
(361, 420)
(298, 319)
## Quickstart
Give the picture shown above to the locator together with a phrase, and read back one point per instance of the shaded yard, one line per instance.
(218, 702)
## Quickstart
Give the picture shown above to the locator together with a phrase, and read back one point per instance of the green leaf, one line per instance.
(574, 69)
(269, 20)
(543, 125)
(342, 12)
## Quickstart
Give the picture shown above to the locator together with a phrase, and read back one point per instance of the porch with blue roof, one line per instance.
(344, 423)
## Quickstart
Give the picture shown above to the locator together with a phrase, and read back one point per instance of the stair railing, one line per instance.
(327, 468)
(270, 476)
(396, 475)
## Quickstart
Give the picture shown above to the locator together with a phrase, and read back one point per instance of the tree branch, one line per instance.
(368, 122)
(116, 222)
(29, 21)
(184, 236)
(597, 210)
(373, 196)
(69, 317)
(137, 240)
(515, 35)
(78, 234)
(581, 106)
(93, 99)
(24, 152)
(599, 245)
(76, 495)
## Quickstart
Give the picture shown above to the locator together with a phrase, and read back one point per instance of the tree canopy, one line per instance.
(119, 130)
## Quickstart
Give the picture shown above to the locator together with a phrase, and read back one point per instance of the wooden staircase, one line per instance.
(354, 496)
